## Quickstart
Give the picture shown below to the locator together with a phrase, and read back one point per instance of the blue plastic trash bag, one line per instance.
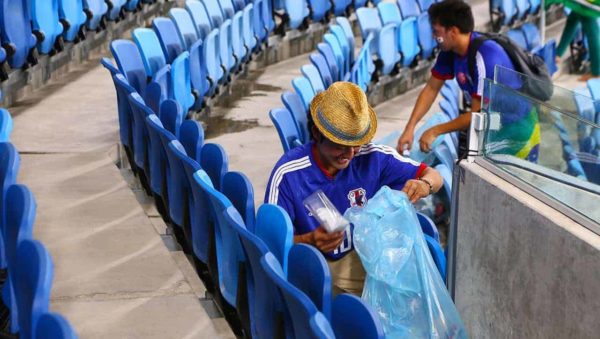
(403, 284)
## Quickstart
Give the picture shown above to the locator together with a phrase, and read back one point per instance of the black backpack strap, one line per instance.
(472, 53)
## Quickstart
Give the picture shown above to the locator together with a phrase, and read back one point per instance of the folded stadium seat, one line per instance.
(46, 25)
(215, 163)
(214, 70)
(95, 11)
(227, 8)
(228, 60)
(535, 6)
(320, 63)
(200, 17)
(522, 9)
(369, 22)
(532, 35)
(301, 314)
(409, 8)
(248, 29)
(585, 106)
(351, 317)
(426, 40)
(447, 176)
(10, 162)
(123, 89)
(343, 41)
(593, 86)
(157, 157)
(191, 136)
(334, 43)
(296, 12)
(150, 50)
(3, 66)
(437, 254)
(286, 128)
(518, 37)
(73, 18)
(503, 12)
(159, 89)
(140, 137)
(319, 9)
(445, 156)
(181, 82)
(294, 104)
(199, 74)
(33, 283)
(239, 4)
(185, 26)
(327, 52)
(361, 71)
(170, 41)
(52, 325)
(130, 63)
(387, 50)
(213, 9)
(424, 5)
(260, 29)
(115, 10)
(428, 226)
(548, 53)
(312, 74)
(238, 189)
(240, 51)
(359, 3)
(267, 17)
(340, 7)
(345, 24)
(449, 109)
(132, 5)
(6, 125)
(304, 89)
(449, 96)
(308, 271)
(19, 218)
(408, 41)
(575, 168)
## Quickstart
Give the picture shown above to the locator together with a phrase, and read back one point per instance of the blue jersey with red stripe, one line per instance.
(297, 175)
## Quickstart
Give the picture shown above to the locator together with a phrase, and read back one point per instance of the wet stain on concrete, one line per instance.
(215, 126)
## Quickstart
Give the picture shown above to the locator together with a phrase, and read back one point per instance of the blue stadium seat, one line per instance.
(294, 104)
(240, 51)
(248, 29)
(532, 35)
(319, 9)
(522, 8)
(518, 37)
(73, 18)
(201, 220)
(150, 50)
(408, 40)
(213, 60)
(228, 59)
(185, 26)
(191, 136)
(171, 116)
(389, 13)
(45, 22)
(319, 61)
(140, 132)
(351, 317)
(348, 53)
(114, 13)
(308, 271)
(548, 53)
(181, 82)
(238, 189)
(340, 7)
(446, 174)
(424, 4)
(157, 158)
(54, 326)
(304, 89)
(260, 29)
(286, 128)
(132, 5)
(267, 17)
(15, 30)
(437, 254)
(312, 74)
(33, 282)
(213, 9)
(170, 41)
(179, 193)
(215, 163)
(274, 227)
(409, 8)
(428, 226)
(299, 308)
(95, 11)
(535, 6)
(504, 11)
(130, 63)
(333, 42)
(6, 125)
(387, 50)
(360, 3)
(125, 114)
(345, 24)
(159, 89)
(450, 95)
(200, 17)
(444, 154)
(426, 40)
(449, 109)
(240, 4)
(9, 168)
(227, 8)
(198, 72)
(594, 86)
(368, 20)
(297, 11)
(327, 52)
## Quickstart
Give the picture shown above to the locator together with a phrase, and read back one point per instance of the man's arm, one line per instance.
(422, 106)
(419, 188)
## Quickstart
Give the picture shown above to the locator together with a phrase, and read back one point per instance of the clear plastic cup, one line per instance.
(325, 212)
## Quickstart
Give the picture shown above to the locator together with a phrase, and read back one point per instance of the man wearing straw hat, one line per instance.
(341, 161)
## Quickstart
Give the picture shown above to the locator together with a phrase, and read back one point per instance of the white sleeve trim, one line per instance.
(480, 73)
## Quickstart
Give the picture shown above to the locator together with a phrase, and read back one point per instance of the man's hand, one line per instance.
(325, 242)
(416, 189)
(406, 139)
(427, 139)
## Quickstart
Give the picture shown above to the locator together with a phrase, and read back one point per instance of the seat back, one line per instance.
(178, 187)
(308, 271)
(389, 13)
(171, 116)
(368, 20)
(409, 8)
(425, 4)
(225, 46)
(201, 215)
(320, 63)
(248, 28)
(294, 104)
(238, 189)
(54, 326)
(345, 24)
(387, 48)
(227, 8)
(199, 17)
(522, 8)
(215, 163)
(532, 35)
(71, 12)
(426, 40)
(213, 60)
(518, 37)
(96, 10)
(274, 227)
(326, 51)
(340, 7)
(333, 42)
(444, 154)
(170, 41)
(132, 5)
(139, 131)
(185, 26)
(409, 45)
(150, 50)
(351, 317)
(181, 83)
(44, 18)
(260, 28)
(428, 226)
(15, 31)
(237, 37)
(130, 63)
(157, 155)
(312, 74)
(115, 12)
(6, 125)
(214, 12)
(33, 282)
(267, 17)
(191, 135)
(447, 176)
(319, 9)
(437, 254)
(304, 89)
(343, 42)
(286, 128)
(198, 72)
(20, 216)
(300, 309)
(125, 112)
(297, 11)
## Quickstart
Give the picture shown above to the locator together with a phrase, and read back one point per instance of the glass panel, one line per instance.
(551, 146)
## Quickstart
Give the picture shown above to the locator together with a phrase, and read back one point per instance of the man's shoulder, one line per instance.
(377, 152)
(294, 159)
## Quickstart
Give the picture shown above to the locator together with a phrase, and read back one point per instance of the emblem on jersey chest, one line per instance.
(461, 78)
(357, 197)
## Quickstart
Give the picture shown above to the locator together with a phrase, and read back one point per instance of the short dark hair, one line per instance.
(451, 13)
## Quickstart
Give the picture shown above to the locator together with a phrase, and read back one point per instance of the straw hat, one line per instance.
(343, 115)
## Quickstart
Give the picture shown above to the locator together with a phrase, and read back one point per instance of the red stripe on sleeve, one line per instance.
(441, 76)
(420, 171)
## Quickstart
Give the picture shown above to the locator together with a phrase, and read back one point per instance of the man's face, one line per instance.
(335, 156)
(443, 36)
